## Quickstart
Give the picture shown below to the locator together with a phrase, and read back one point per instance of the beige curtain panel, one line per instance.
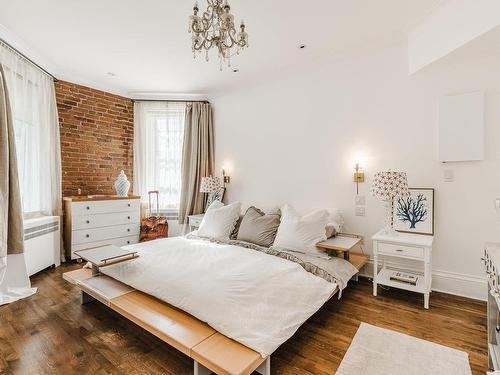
(11, 219)
(197, 158)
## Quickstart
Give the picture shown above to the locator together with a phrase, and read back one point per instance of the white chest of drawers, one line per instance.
(97, 221)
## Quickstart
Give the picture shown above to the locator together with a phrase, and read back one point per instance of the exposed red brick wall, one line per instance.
(96, 138)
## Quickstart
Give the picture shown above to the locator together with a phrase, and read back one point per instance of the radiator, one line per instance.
(42, 243)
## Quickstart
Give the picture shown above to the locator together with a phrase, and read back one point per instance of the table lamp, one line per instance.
(209, 185)
(386, 186)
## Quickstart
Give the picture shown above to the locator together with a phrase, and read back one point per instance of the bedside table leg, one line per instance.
(426, 300)
(375, 272)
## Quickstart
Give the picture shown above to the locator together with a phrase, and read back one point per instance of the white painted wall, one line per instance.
(295, 137)
(450, 26)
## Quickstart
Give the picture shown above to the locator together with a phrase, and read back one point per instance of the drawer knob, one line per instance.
(128, 217)
(128, 204)
(87, 235)
(88, 221)
(88, 207)
(400, 250)
(128, 229)
(128, 242)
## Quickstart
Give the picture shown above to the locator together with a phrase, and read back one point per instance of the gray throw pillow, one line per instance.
(258, 228)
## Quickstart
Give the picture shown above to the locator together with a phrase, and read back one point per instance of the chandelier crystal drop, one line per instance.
(215, 29)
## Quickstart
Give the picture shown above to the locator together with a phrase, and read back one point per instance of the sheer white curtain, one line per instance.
(36, 128)
(158, 140)
(36, 132)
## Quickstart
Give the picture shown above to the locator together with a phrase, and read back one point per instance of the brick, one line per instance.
(96, 130)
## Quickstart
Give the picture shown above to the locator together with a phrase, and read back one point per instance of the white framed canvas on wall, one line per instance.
(461, 127)
(415, 213)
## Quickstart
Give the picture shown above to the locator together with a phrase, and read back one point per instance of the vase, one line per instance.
(122, 185)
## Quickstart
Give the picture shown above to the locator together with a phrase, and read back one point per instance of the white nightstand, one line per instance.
(194, 221)
(404, 246)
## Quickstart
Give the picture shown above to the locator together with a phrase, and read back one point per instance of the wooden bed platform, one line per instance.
(210, 350)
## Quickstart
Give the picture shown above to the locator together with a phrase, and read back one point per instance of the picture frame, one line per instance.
(216, 196)
(415, 213)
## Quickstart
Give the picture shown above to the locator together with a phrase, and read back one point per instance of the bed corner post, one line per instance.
(199, 369)
(265, 367)
(86, 298)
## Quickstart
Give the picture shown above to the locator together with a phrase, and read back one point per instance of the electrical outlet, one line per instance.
(360, 211)
(448, 175)
(360, 200)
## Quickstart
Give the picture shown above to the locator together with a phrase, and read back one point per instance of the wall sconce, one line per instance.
(358, 176)
(225, 178)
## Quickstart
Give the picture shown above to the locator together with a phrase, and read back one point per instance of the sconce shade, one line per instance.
(209, 184)
(389, 184)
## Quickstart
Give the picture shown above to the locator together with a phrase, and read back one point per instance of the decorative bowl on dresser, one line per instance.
(92, 221)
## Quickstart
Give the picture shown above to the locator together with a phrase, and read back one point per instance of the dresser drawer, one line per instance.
(104, 207)
(123, 241)
(400, 250)
(99, 234)
(105, 220)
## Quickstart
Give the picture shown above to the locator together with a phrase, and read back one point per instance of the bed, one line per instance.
(256, 296)
(248, 298)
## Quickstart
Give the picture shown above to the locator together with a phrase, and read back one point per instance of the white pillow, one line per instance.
(219, 220)
(301, 233)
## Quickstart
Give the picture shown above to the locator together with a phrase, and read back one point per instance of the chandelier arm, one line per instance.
(208, 15)
(197, 46)
(208, 43)
(230, 45)
(207, 23)
(208, 38)
(232, 36)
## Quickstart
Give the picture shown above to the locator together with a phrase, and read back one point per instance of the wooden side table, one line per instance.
(403, 246)
(343, 244)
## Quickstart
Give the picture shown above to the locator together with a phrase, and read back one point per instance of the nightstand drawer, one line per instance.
(400, 250)
(195, 222)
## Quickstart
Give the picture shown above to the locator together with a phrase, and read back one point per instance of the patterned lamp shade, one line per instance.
(389, 184)
(209, 184)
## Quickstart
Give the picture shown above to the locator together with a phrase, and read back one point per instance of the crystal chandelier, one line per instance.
(215, 28)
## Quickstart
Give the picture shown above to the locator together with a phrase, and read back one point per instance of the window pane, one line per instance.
(165, 133)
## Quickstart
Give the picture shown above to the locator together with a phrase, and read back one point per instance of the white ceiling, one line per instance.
(146, 44)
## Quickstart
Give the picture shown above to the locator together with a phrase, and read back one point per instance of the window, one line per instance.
(36, 131)
(27, 135)
(158, 140)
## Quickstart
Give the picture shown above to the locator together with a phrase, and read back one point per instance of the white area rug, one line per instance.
(378, 351)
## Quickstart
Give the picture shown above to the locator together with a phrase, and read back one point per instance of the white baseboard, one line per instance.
(444, 281)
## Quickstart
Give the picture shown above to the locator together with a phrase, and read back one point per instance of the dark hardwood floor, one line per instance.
(51, 333)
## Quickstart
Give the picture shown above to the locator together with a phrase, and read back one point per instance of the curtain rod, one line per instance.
(27, 59)
(172, 101)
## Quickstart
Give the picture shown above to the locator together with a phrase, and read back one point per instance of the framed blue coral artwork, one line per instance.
(415, 213)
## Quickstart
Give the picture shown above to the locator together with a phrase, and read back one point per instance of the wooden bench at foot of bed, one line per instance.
(210, 350)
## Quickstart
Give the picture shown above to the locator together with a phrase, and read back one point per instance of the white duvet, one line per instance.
(256, 299)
